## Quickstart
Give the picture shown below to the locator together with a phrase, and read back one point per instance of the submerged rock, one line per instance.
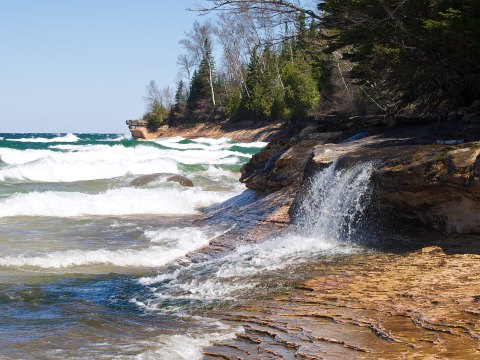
(144, 180)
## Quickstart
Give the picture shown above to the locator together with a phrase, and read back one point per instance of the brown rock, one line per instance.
(182, 180)
(144, 180)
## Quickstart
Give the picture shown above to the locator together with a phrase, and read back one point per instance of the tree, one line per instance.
(301, 92)
(202, 89)
(416, 52)
(199, 48)
(180, 99)
(156, 103)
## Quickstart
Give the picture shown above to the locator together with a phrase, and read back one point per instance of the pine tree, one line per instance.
(202, 89)
(180, 99)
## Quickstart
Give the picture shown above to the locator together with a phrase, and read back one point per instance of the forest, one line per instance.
(279, 60)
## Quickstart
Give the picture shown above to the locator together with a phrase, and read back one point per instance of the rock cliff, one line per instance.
(417, 177)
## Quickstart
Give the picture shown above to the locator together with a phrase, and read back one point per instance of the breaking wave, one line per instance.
(121, 201)
(167, 245)
(66, 138)
(89, 162)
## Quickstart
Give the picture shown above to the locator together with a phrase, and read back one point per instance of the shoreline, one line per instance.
(239, 132)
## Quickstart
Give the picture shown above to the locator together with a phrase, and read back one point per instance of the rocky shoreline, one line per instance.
(240, 132)
(419, 297)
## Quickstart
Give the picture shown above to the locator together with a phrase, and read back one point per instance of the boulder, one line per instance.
(144, 180)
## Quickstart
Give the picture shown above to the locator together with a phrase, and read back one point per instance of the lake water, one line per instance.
(82, 252)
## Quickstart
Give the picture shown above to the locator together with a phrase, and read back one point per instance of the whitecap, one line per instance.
(66, 138)
(115, 202)
(90, 162)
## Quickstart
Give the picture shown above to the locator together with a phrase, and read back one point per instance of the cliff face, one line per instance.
(414, 178)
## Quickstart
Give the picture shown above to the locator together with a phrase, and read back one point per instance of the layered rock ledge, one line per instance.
(424, 305)
(417, 177)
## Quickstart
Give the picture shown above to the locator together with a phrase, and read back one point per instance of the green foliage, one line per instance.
(423, 52)
(203, 79)
(180, 99)
(155, 117)
(256, 102)
(232, 103)
(301, 92)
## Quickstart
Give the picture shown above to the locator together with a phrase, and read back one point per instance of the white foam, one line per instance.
(188, 346)
(329, 214)
(170, 244)
(89, 162)
(257, 144)
(121, 201)
(66, 138)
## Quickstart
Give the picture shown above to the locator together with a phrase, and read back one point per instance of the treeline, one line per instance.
(280, 60)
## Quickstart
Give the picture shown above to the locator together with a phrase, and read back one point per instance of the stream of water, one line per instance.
(81, 248)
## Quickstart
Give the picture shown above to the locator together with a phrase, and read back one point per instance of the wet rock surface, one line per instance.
(379, 306)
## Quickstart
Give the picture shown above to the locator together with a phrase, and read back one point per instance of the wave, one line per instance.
(169, 245)
(90, 162)
(115, 202)
(257, 144)
(66, 138)
(206, 143)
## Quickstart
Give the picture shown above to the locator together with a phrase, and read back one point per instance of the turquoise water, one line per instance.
(76, 240)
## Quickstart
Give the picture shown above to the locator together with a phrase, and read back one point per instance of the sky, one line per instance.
(83, 65)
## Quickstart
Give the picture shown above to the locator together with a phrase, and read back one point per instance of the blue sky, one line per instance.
(83, 65)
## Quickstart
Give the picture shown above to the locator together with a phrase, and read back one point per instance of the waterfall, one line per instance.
(334, 202)
(327, 218)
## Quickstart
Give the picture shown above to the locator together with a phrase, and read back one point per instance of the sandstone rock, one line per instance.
(237, 132)
(436, 185)
(144, 180)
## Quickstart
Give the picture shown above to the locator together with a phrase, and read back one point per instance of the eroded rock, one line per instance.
(414, 178)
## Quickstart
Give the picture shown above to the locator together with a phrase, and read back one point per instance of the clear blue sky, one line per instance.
(83, 65)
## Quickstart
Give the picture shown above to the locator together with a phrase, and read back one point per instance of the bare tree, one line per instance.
(236, 36)
(155, 97)
(273, 9)
(196, 46)
(152, 96)
(186, 62)
(167, 97)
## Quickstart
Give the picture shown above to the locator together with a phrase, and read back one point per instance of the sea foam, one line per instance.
(167, 245)
(115, 202)
(90, 162)
(66, 138)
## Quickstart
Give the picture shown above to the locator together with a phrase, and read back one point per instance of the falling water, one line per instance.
(335, 202)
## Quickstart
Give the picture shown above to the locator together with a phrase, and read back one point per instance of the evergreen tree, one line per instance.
(256, 103)
(301, 92)
(202, 90)
(180, 99)
(419, 52)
